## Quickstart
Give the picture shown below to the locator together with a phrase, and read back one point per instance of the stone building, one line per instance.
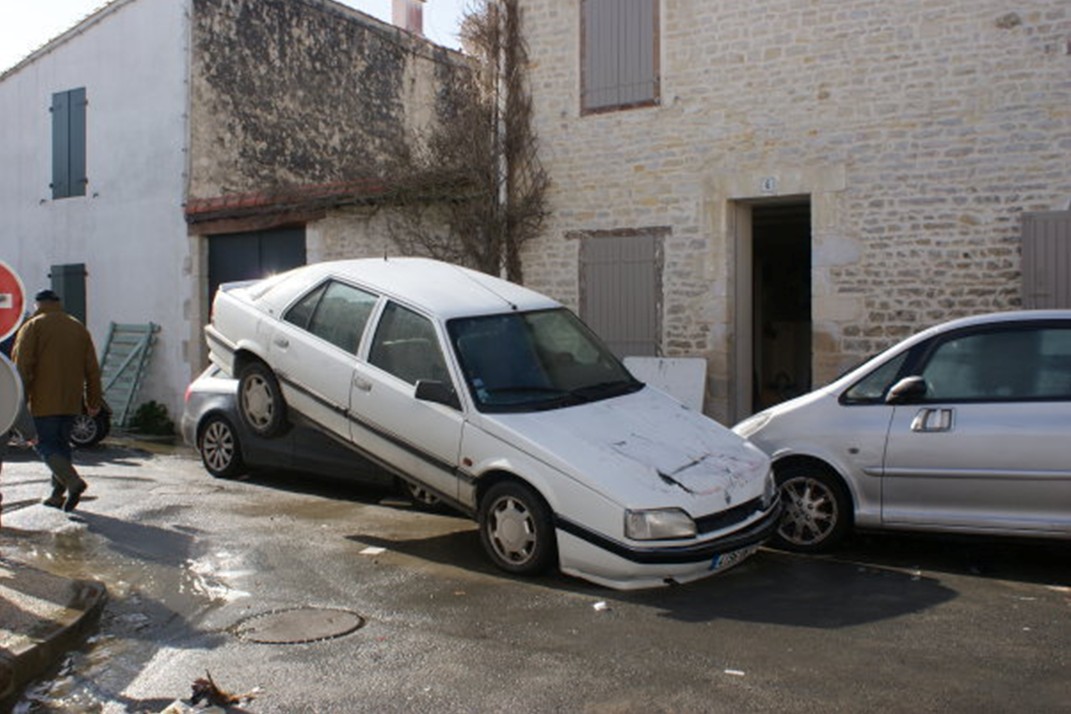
(161, 147)
(785, 187)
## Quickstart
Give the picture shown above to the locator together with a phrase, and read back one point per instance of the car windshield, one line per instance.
(531, 361)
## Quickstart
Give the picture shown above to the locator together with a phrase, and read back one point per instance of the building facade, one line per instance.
(785, 187)
(161, 147)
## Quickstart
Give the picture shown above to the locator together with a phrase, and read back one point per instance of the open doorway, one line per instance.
(773, 296)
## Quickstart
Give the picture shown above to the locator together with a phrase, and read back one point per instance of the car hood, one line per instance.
(642, 450)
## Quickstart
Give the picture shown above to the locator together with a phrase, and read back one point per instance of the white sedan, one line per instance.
(499, 401)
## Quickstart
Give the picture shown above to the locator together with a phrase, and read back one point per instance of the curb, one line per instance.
(51, 639)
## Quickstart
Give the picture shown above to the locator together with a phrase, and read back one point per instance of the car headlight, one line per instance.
(659, 524)
(752, 424)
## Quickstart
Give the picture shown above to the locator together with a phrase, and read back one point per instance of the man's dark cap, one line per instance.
(46, 295)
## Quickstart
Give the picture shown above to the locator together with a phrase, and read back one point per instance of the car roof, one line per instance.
(438, 288)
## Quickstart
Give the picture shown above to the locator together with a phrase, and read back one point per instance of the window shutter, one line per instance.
(61, 178)
(620, 67)
(77, 142)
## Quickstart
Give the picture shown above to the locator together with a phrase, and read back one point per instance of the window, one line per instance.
(406, 346)
(872, 388)
(334, 312)
(69, 143)
(619, 54)
(1008, 365)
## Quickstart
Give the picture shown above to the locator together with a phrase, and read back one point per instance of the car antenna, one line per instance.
(512, 305)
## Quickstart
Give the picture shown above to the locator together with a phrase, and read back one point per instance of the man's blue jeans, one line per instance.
(54, 435)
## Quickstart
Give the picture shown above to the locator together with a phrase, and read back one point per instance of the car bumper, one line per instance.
(626, 567)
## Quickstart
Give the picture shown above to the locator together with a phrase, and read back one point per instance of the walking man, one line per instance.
(58, 365)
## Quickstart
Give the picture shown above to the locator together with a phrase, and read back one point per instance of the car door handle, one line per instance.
(363, 384)
(931, 420)
(281, 342)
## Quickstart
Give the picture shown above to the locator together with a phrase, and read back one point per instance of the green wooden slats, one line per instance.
(126, 358)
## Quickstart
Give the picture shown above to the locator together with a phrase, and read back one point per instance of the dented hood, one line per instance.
(642, 450)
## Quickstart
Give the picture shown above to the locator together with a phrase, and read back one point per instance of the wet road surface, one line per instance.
(890, 623)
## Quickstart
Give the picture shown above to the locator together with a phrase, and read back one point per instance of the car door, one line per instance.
(420, 438)
(314, 351)
(988, 447)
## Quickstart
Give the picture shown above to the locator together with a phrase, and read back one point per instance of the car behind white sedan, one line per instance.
(963, 428)
(499, 401)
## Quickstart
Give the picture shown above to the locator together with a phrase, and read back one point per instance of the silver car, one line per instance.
(963, 428)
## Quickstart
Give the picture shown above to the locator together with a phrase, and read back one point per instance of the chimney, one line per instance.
(409, 15)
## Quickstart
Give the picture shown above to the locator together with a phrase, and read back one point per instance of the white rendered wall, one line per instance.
(129, 228)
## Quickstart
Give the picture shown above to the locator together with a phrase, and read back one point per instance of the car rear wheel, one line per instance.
(220, 450)
(90, 430)
(516, 529)
(260, 400)
(817, 509)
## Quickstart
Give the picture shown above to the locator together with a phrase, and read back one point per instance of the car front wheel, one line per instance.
(220, 450)
(260, 400)
(516, 529)
(817, 509)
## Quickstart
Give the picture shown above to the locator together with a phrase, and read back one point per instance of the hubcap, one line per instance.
(257, 402)
(218, 446)
(512, 530)
(84, 429)
(810, 511)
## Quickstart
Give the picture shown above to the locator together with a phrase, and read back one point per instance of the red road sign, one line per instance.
(12, 301)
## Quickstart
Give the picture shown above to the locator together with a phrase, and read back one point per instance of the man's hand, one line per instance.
(92, 411)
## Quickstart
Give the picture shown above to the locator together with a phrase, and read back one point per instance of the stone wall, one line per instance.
(919, 132)
(288, 92)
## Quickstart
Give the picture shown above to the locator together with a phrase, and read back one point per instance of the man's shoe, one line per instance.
(55, 500)
(73, 496)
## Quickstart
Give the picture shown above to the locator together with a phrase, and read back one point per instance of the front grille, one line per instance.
(726, 519)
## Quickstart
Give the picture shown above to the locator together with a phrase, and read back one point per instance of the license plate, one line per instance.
(722, 561)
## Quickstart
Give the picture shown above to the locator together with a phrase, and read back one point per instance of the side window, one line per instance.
(334, 312)
(406, 346)
(302, 311)
(619, 54)
(872, 388)
(1006, 365)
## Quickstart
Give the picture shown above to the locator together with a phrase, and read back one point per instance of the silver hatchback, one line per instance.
(963, 428)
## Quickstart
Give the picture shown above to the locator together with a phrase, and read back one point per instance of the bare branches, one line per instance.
(473, 190)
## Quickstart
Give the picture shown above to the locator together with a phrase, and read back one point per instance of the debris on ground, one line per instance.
(206, 690)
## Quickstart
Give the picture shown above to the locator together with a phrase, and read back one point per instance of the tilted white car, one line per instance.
(963, 428)
(502, 403)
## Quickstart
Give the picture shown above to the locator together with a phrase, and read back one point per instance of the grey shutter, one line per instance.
(61, 177)
(620, 291)
(619, 53)
(77, 142)
(1046, 255)
(69, 143)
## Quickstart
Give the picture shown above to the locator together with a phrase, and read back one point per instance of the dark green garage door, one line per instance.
(246, 256)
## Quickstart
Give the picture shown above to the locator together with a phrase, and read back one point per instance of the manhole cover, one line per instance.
(297, 626)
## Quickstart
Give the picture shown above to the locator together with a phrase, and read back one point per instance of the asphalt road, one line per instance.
(198, 568)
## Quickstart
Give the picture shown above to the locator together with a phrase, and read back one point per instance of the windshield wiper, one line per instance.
(605, 390)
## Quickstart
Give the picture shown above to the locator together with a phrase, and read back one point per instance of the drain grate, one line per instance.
(297, 626)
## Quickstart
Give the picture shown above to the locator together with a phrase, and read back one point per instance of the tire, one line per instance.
(221, 452)
(818, 510)
(260, 400)
(90, 430)
(516, 529)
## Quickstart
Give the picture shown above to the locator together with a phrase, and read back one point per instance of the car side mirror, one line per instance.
(432, 390)
(907, 390)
